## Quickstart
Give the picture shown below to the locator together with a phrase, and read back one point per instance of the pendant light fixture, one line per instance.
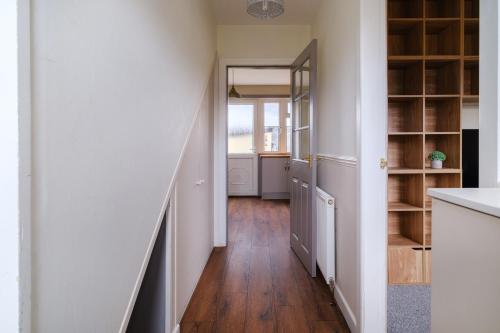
(233, 93)
(265, 9)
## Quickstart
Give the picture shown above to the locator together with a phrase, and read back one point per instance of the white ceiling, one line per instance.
(233, 12)
(263, 76)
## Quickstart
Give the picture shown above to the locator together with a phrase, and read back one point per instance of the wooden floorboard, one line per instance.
(257, 284)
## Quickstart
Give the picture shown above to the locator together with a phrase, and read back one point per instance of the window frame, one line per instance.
(283, 102)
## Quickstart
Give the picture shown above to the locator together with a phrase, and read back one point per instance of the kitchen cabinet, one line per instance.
(274, 177)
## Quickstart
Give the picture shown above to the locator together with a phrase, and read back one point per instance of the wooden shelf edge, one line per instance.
(442, 57)
(442, 96)
(442, 19)
(442, 171)
(404, 171)
(405, 133)
(405, 96)
(396, 58)
(405, 19)
(470, 98)
(442, 133)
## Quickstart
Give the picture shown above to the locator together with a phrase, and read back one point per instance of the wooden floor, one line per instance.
(257, 284)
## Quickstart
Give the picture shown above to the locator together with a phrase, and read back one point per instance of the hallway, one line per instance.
(257, 284)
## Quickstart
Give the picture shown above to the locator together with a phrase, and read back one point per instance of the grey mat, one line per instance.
(408, 309)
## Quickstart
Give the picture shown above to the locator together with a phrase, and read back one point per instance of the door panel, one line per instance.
(294, 199)
(242, 174)
(303, 158)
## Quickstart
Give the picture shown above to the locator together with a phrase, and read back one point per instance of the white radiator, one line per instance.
(325, 215)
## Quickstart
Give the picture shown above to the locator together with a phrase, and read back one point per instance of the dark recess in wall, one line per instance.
(470, 158)
(148, 315)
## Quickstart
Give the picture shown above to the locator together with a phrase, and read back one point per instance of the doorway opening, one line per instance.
(258, 129)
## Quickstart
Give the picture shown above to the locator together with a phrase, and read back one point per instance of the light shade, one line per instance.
(265, 9)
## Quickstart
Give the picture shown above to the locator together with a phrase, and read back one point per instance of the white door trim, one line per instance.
(372, 180)
(15, 165)
(220, 139)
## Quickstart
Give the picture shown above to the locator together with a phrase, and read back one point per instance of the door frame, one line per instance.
(15, 164)
(220, 135)
(372, 109)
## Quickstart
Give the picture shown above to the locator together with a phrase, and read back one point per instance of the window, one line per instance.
(241, 128)
(261, 125)
(272, 127)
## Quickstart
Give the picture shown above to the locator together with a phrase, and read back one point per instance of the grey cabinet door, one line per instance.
(274, 178)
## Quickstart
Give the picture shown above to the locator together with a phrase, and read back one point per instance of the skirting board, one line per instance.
(345, 309)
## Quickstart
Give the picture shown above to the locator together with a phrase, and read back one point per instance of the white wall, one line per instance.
(262, 41)
(337, 29)
(116, 85)
(489, 120)
(194, 207)
(9, 170)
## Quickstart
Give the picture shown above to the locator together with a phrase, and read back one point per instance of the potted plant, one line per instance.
(437, 157)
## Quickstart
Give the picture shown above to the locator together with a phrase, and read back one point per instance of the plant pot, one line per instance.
(437, 164)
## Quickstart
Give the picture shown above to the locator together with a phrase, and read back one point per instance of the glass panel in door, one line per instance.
(305, 77)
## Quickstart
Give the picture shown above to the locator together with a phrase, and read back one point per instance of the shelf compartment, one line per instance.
(405, 77)
(442, 77)
(471, 38)
(428, 229)
(448, 144)
(405, 228)
(405, 265)
(471, 8)
(471, 78)
(405, 152)
(442, 115)
(405, 189)
(405, 38)
(442, 37)
(402, 207)
(405, 115)
(405, 8)
(442, 8)
(440, 181)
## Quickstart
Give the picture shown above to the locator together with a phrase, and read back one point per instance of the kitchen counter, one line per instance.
(277, 155)
(465, 265)
(484, 200)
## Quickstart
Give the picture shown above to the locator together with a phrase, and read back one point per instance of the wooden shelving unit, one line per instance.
(433, 68)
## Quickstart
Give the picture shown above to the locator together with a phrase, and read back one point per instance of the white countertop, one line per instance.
(485, 200)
